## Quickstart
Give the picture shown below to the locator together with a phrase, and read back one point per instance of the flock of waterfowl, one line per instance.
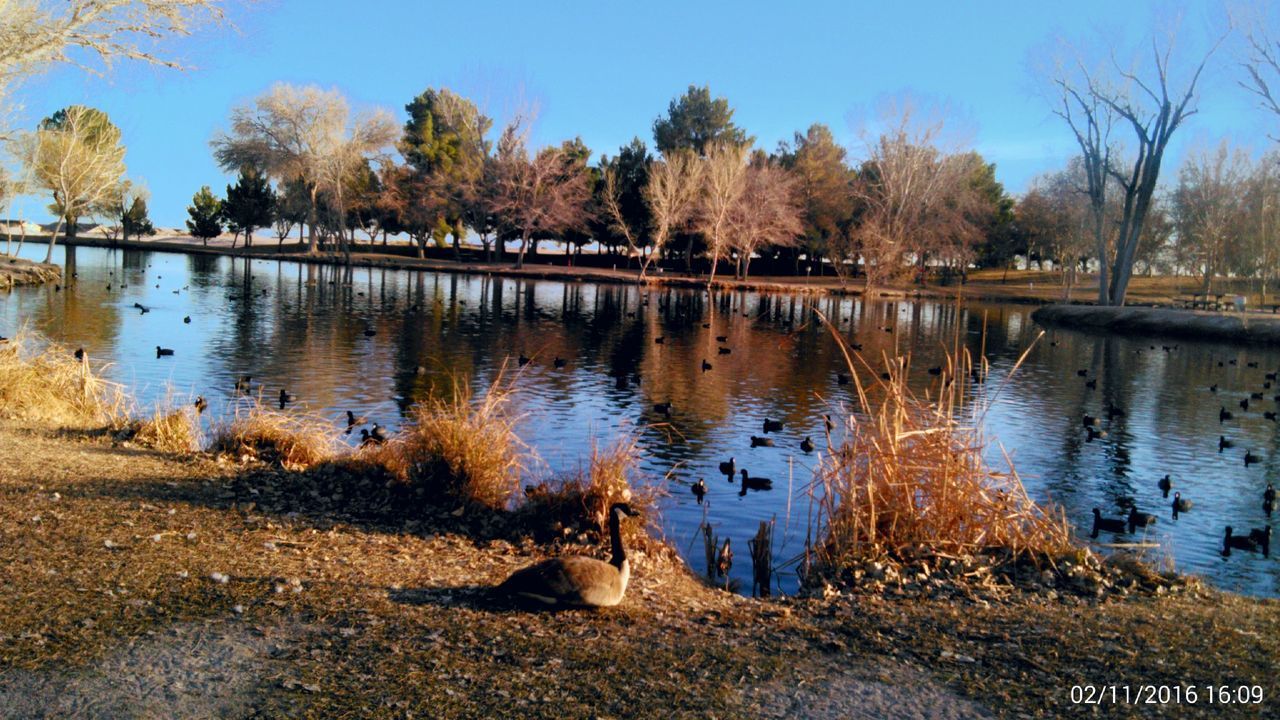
(1257, 539)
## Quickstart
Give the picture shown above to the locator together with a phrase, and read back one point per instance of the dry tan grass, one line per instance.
(582, 500)
(43, 382)
(295, 441)
(459, 448)
(172, 431)
(909, 476)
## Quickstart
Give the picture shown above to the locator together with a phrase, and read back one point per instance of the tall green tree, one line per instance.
(694, 121)
(135, 221)
(445, 142)
(206, 215)
(824, 184)
(250, 204)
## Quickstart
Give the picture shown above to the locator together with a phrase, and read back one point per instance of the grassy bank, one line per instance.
(140, 582)
(278, 577)
(1249, 328)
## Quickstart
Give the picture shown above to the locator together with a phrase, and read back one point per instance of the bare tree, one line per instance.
(1207, 210)
(543, 194)
(672, 196)
(1140, 97)
(79, 160)
(767, 214)
(724, 180)
(902, 187)
(1262, 220)
(93, 34)
(1262, 65)
(306, 134)
(335, 171)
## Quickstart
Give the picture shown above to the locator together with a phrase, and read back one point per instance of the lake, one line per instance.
(303, 327)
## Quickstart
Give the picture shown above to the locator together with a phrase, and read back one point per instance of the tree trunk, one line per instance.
(311, 220)
(524, 242)
(248, 234)
(48, 258)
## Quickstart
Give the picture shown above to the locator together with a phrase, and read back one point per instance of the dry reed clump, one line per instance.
(458, 448)
(580, 503)
(173, 431)
(43, 382)
(291, 440)
(908, 479)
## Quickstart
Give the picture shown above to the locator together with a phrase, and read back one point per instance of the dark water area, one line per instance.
(303, 327)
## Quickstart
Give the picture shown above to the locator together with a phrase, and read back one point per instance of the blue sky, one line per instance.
(605, 70)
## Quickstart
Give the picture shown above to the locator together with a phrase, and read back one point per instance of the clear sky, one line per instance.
(605, 69)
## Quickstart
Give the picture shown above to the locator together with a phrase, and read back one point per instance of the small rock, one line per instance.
(219, 578)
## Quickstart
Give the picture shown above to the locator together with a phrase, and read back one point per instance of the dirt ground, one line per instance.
(136, 584)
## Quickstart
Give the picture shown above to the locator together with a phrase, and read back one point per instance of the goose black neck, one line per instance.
(615, 536)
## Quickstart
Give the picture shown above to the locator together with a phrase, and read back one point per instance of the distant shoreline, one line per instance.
(1252, 328)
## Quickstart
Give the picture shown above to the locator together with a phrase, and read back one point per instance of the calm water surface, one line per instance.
(302, 327)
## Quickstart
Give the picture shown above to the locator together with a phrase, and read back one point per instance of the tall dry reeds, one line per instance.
(459, 448)
(582, 500)
(295, 441)
(908, 477)
(44, 382)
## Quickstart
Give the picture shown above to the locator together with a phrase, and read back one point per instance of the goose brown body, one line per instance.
(577, 581)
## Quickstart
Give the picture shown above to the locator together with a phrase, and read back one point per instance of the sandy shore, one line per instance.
(16, 271)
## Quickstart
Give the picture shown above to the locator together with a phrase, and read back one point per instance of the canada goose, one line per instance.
(1082, 373)
(163, 352)
(1269, 495)
(378, 434)
(1089, 421)
(1180, 505)
(705, 365)
(577, 581)
(559, 362)
(1250, 458)
(729, 468)
(856, 347)
(757, 441)
(1268, 506)
(370, 332)
(828, 423)
(1114, 525)
(1244, 404)
(1252, 364)
(772, 425)
(699, 490)
(1223, 415)
(1165, 485)
(1224, 443)
(935, 370)
(286, 398)
(1253, 542)
(885, 375)
(806, 445)
(723, 351)
(1270, 376)
(842, 379)
(722, 338)
(754, 483)
(1269, 414)
(663, 408)
(353, 421)
(1255, 396)
(79, 353)
(1140, 519)
(1092, 434)
(242, 384)
(1091, 384)
(522, 360)
(200, 404)
(186, 320)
